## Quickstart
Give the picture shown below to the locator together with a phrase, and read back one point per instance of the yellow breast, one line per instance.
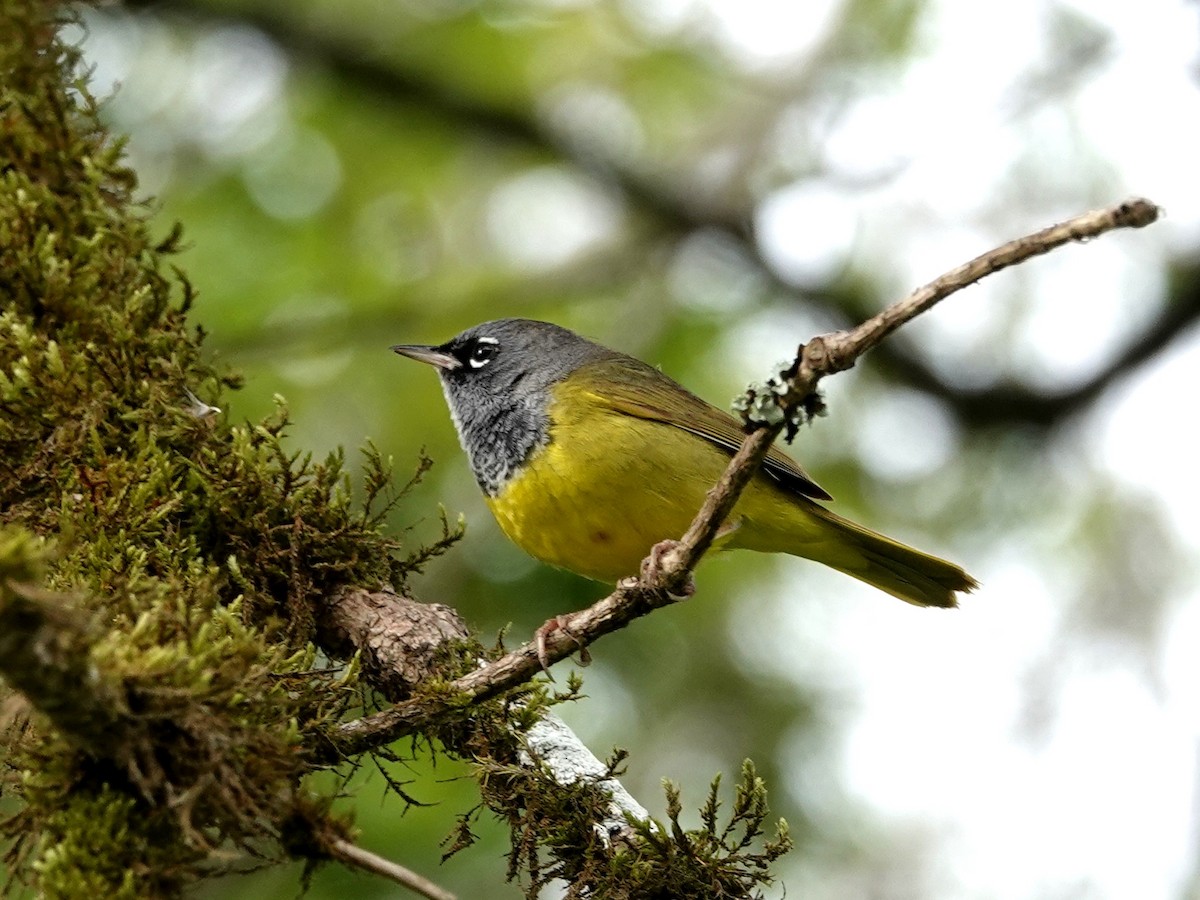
(608, 486)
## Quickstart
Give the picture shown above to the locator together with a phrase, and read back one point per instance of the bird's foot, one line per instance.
(563, 624)
(652, 567)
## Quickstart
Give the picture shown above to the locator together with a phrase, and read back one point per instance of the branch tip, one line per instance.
(1136, 212)
(353, 855)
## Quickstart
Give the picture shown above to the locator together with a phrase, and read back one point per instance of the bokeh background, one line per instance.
(704, 184)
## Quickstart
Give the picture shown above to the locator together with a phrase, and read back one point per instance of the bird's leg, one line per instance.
(652, 567)
(653, 563)
(558, 623)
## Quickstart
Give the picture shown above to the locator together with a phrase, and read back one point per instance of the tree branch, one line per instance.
(554, 745)
(44, 653)
(399, 641)
(1011, 402)
(351, 854)
(398, 638)
(823, 355)
(839, 351)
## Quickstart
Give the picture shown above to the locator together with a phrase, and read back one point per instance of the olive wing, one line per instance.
(636, 389)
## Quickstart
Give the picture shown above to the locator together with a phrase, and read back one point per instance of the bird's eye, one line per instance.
(482, 353)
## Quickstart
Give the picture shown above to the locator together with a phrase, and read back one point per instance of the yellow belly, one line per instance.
(607, 487)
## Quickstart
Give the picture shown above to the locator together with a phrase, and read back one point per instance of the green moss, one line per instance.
(555, 839)
(107, 845)
(171, 560)
(163, 566)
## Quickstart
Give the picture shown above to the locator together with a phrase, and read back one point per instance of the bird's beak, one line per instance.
(426, 354)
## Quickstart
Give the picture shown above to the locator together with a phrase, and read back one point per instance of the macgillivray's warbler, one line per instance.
(588, 458)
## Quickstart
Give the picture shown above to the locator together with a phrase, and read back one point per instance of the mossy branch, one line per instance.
(45, 652)
(158, 629)
(163, 707)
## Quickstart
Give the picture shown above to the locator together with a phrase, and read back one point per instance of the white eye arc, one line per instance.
(485, 349)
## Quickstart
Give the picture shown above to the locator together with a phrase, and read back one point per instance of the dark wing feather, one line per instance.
(636, 389)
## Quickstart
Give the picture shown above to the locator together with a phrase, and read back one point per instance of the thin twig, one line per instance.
(823, 355)
(353, 855)
(844, 347)
(830, 353)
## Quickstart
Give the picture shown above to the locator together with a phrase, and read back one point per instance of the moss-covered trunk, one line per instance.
(166, 576)
(158, 568)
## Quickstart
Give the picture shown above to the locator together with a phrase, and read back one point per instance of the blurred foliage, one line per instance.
(356, 174)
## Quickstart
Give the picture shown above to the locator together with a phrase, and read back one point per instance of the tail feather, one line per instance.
(902, 571)
(827, 538)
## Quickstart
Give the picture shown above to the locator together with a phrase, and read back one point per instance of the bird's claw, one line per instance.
(652, 567)
(558, 623)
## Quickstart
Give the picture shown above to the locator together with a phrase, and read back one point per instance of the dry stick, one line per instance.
(830, 353)
(843, 347)
(353, 855)
(821, 356)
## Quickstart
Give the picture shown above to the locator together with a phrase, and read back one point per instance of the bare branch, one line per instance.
(353, 855)
(838, 351)
(821, 356)
(398, 638)
(1134, 213)
(399, 641)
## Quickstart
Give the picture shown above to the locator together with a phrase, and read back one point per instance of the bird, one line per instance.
(589, 457)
